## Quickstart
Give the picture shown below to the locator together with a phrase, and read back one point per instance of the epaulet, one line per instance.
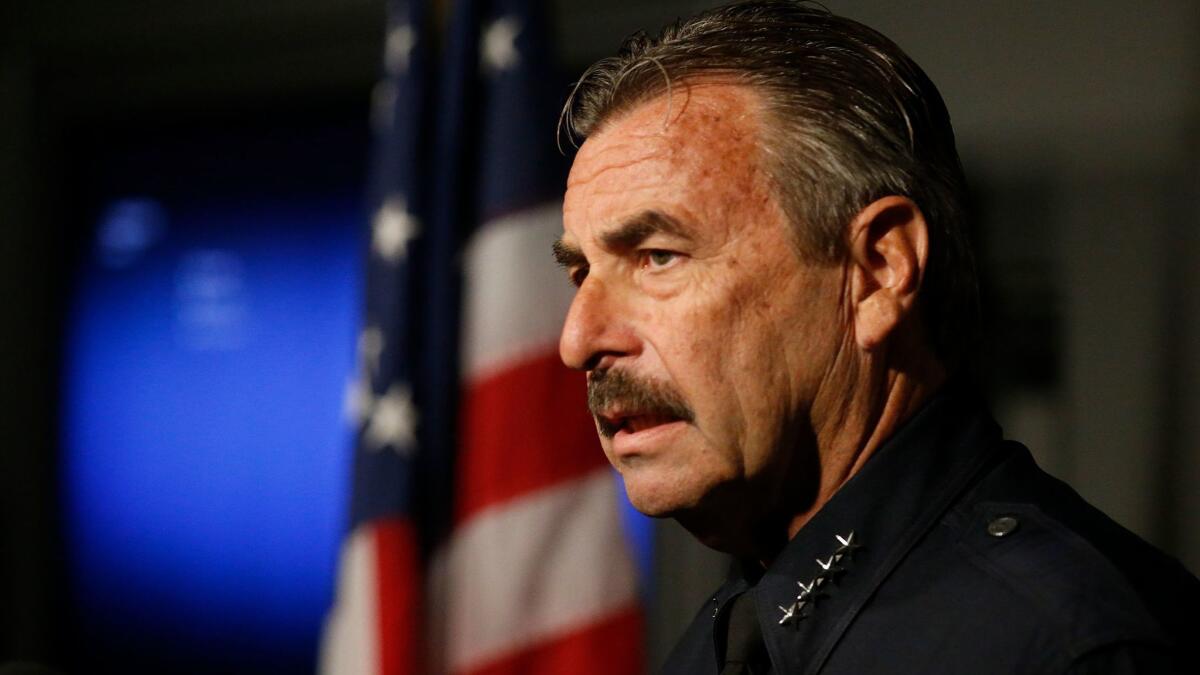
(1070, 589)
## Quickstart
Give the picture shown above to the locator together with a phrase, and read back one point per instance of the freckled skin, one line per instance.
(736, 323)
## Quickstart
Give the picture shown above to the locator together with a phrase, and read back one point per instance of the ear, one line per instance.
(888, 245)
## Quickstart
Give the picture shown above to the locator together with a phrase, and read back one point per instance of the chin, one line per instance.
(653, 505)
(655, 498)
(714, 514)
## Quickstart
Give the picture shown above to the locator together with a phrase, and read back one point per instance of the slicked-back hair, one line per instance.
(850, 118)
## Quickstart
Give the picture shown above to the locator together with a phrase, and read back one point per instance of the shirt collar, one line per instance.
(828, 571)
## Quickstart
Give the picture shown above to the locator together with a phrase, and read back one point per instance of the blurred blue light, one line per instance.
(205, 458)
(128, 228)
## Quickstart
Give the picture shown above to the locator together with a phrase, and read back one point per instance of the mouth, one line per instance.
(632, 412)
(639, 434)
(613, 425)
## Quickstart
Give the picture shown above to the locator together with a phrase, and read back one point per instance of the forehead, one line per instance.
(696, 150)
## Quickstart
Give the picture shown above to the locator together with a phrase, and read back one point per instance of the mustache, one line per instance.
(609, 389)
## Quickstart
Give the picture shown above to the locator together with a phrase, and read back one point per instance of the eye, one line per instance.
(577, 275)
(657, 258)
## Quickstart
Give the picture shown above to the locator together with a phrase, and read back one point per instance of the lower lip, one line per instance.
(627, 443)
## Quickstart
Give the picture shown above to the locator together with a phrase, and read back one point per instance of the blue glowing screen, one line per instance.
(205, 453)
(208, 347)
(206, 460)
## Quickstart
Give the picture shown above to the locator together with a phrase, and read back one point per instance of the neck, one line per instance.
(867, 409)
(856, 411)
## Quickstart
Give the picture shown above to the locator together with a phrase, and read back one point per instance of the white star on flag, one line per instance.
(359, 399)
(393, 422)
(398, 51)
(383, 105)
(392, 229)
(370, 348)
(498, 49)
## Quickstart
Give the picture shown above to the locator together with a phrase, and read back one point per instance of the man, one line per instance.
(775, 298)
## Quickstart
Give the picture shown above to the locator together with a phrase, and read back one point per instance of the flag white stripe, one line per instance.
(529, 570)
(515, 296)
(349, 642)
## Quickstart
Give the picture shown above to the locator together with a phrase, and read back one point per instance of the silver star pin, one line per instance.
(847, 544)
(789, 614)
(830, 568)
(809, 592)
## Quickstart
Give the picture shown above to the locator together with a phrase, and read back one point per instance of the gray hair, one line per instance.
(851, 119)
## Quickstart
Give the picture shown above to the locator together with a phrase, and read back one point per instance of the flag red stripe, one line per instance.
(397, 575)
(612, 645)
(523, 428)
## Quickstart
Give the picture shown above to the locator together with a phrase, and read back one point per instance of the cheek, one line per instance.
(706, 330)
(770, 319)
(720, 359)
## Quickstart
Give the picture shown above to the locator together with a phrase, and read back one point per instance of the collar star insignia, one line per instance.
(847, 546)
(789, 614)
(811, 591)
(830, 567)
(795, 611)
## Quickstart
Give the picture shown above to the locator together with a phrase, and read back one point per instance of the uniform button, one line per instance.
(1003, 526)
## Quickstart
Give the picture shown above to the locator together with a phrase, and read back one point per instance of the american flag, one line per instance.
(486, 537)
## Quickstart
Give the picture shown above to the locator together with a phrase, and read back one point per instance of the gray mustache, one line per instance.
(616, 388)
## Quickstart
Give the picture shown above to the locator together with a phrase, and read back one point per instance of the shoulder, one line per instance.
(1076, 580)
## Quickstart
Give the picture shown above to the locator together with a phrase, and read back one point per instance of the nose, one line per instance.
(595, 330)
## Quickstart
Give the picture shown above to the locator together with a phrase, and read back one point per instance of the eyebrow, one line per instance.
(566, 255)
(633, 231)
(629, 234)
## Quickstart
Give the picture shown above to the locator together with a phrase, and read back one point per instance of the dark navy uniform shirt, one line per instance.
(966, 559)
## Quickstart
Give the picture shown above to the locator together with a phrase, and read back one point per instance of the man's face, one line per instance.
(705, 336)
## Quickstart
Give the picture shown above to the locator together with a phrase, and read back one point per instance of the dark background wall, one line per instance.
(1077, 122)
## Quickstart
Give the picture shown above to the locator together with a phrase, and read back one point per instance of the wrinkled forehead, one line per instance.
(699, 143)
(690, 118)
